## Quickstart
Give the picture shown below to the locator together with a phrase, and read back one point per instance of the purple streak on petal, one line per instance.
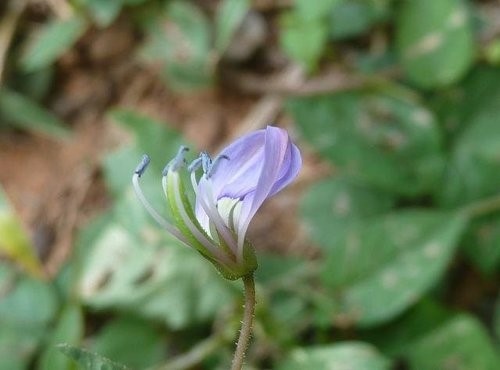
(275, 148)
(290, 168)
(260, 165)
(239, 174)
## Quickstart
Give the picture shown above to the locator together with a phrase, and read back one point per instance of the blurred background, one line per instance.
(384, 254)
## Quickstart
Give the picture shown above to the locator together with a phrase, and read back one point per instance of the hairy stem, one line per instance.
(246, 325)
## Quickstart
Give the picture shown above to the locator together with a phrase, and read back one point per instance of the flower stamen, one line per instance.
(178, 162)
(139, 171)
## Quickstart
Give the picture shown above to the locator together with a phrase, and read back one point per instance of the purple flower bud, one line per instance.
(231, 189)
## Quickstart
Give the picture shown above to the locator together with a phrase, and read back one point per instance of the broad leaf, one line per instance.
(104, 12)
(69, 329)
(331, 207)
(381, 268)
(228, 18)
(434, 40)
(303, 40)
(481, 243)
(88, 360)
(27, 306)
(21, 111)
(181, 42)
(154, 278)
(51, 42)
(387, 141)
(347, 355)
(130, 341)
(461, 344)
(353, 17)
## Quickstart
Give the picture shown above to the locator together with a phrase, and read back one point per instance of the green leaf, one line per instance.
(69, 329)
(104, 12)
(155, 138)
(228, 18)
(149, 136)
(14, 241)
(88, 360)
(381, 268)
(394, 337)
(435, 41)
(347, 355)
(284, 311)
(457, 107)
(353, 17)
(156, 278)
(122, 338)
(309, 10)
(21, 111)
(470, 112)
(473, 170)
(303, 40)
(26, 308)
(496, 319)
(481, 243)
(461, 344)
(182, 42)
(331, 207)
(386, 141)
(52, 41)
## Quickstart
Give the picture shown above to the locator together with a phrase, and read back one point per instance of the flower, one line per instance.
(228, 194)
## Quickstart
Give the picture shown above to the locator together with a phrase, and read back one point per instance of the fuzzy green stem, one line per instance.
(246, 324)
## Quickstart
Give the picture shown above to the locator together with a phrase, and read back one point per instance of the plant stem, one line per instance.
(483, 207)
(246, 324)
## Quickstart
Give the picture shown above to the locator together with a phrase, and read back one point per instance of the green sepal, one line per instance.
(235, 271)
(176, 184)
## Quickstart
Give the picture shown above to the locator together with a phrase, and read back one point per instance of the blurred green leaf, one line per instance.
(303, 40)
(153, 279)
(496, 319)
(331, 207)
(23, 112)
(434, 40)
(492, 52)
(35, 85)
(393, 338)
(130, 341)
(472, 172)
(284, 312)
(181, 40)
(52, 41)
(309, 10)
(88, 360)
(353, 17)
(348, 355)
(381, 268)
(14, 242)
(461, 344)
(153, 137)
(69, 329)
(387, 141)
(457, 107)
(104, 12)
(230, 14)
(26, 308)
(481, 243)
